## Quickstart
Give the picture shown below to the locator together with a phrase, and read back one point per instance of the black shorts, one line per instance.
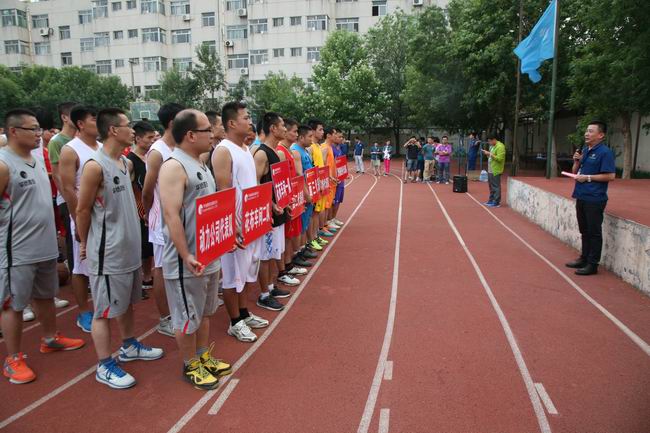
(147, 247)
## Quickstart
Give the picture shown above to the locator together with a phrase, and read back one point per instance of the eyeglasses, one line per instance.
(34, 130)
(202, 130)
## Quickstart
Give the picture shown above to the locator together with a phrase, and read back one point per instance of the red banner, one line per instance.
(341, 168)
(215, 225)
(281, 183)
(297, 196)
(256, 211)
(311, 177)
(324, 178)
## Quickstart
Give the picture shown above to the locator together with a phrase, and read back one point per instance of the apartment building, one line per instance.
(138, 40)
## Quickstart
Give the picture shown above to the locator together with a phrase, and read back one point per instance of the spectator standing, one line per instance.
(473, 146)
(496, 162)
(375, 155)
(412, 149)
(429, 151)
(387, 152)
(444, 151)
(358, 155)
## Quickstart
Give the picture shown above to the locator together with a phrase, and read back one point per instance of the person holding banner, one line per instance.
(340, 187)
(234, 167)
(317, 156)
(331, 135)
(191, 286)
(303, 162)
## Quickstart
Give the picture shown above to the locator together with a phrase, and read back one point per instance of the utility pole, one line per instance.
(515, 148)
(550, 155)
(131, 62)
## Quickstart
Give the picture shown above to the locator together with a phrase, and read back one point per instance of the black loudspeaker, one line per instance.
(460, 183)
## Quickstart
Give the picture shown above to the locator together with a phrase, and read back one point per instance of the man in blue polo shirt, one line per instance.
(358, 155)
(595, 166)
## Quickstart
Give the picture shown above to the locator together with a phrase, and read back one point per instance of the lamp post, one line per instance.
(131, 62)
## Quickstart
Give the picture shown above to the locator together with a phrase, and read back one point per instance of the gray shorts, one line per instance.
(375, 162)
(112, 294)
(411, 164)
(191, 299)
(19, 284)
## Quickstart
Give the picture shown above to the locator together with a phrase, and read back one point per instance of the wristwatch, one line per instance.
(588, 178)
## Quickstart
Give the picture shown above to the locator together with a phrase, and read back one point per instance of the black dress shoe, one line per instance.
(577, 264)
(588, 269)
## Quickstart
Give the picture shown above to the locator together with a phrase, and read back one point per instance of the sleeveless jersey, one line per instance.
(84, 153)
(155, 215)
(199, 183)
(273, 158)
(114, 245)
(317, 155)
(243, 173)
(328, 157)
(289, 157)
(27, 231)
(305, 159)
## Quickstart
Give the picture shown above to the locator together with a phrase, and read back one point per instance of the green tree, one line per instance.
(208, 72)
(240, 91)
(11, 93)
(176, 86)
(278, 93)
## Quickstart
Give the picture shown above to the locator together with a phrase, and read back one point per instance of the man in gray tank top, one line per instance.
(191, 286)
(29, 248)
(109, 231)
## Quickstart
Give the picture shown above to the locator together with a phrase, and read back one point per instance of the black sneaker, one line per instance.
(280, 293)
(309, 254)
(270, 303)
(300, 261)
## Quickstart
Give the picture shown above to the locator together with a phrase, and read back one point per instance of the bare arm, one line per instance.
(68, 163)
(4, 177)
(222, 166)
(154, 161)
(261, 165)
(298, 162)
(91, 180)
(55, 177)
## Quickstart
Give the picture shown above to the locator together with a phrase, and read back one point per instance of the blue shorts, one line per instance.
(411, 164)
(306, 216)
(338, 196)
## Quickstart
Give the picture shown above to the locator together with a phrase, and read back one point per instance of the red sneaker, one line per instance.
(16, 369)
(61, 343)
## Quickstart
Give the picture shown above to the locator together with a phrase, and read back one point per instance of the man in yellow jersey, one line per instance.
(331, 134)
(317, 155)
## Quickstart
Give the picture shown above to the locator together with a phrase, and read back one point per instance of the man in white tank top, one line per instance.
(234, 168)
(74, 155)
(159, 152)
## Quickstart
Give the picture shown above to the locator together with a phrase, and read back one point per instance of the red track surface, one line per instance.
(453, 369)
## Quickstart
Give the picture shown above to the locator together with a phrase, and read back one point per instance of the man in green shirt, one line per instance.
(496, 162)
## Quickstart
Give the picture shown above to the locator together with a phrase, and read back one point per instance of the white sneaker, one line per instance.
(165, 326)
(255, 322)
(220, 302)
(113, 376)
(28, 314)
(289, 280)
(338, 222)
(242, 332)
(297, 271)
(61, 303)
(139, 351)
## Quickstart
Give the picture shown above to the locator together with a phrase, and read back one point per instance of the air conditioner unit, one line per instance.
(242, 12)
(418, 2)
(243, 71)
(230, 43)
(44, 32)
(188, 17)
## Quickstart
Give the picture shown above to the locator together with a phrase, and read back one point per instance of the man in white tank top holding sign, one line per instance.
(74, 155)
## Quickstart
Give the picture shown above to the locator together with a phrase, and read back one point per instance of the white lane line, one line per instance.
(241, 361)
(550, 407)
(216, 407)
(384, 419)
(388, 370)
(61, 388)
(519, 358)
(645, 347)
(369, 409)
(353, 178)
(37, 324)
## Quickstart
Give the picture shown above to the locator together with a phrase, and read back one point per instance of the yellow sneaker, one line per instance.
(196, 374)
(216, 367)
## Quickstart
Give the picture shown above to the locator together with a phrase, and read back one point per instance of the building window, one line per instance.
(180, 7)
(212, 46)
(40, 21)
(103, 66)
(154, 34)
(208, 19)
(182, 36)
(102, 39)
(379, 8)
(100, 8)
(151, 64)
(345, 1)
(86, 17)
(64, 32)
(118, 34)
(183, 64)
(149, 89)
(295, 21)
(11, 47)
(236, 32)
(87, 44)
(42, 48)
(277, 22)
(259, 57)
(134, 61)
(13, 18)
(131, 4)
(236, 61)
(91, 68)
(66, 59)
(296, 52)
(313, 54)
(317, 22)
(152, 7)
(133, 33)
(349, 24)
(24, 47)
(119, 63)
(116, 6)
(259, 25)
(233, 5)
(278, 52)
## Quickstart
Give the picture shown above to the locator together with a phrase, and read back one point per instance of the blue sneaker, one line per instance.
(112, 375)
(85, 321)
(494, 205)
(139, 351)
(488, 203)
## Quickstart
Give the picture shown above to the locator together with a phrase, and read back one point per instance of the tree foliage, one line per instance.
(209, 75)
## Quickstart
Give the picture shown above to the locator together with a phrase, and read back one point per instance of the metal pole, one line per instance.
(132, 79)
(515, 148)
(551, 113)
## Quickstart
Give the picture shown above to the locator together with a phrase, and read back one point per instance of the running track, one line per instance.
(427, 313)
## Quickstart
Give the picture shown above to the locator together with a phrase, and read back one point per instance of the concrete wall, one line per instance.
(626, 244)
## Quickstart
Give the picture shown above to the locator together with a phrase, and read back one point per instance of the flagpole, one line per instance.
(515, 148)
(551, 116)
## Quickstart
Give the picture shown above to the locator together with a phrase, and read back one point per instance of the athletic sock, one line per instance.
(200, 351)
(270, 287)
(128, 342)
(243, 313)
(234, 321)
(288, 267)
(48, 340)
(264, 295)
(106, 361)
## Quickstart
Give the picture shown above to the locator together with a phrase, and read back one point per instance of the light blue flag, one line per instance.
(539, 44)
